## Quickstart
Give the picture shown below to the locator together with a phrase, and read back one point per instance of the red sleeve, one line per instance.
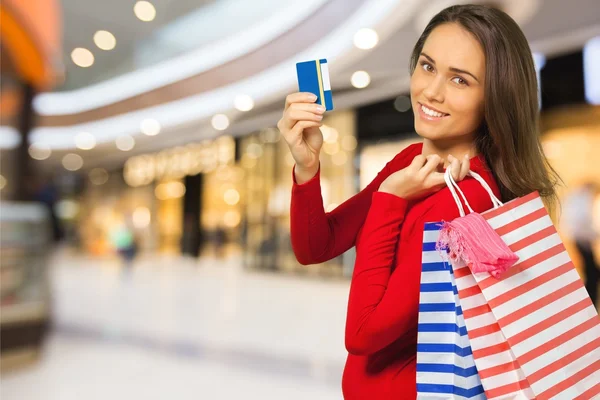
(318, 236)
(383, 305)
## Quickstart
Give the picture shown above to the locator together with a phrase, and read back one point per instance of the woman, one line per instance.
(474, 94)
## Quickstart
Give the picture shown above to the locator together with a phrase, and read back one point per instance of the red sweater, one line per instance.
(381, 324)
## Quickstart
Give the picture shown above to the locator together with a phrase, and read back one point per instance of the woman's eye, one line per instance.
(459, 80)
(427, 67)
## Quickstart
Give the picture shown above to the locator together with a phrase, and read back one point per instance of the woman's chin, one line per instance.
(428, 133)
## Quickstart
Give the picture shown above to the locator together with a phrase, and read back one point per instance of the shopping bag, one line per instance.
(533, 330)
(445, 365)
(500, 374)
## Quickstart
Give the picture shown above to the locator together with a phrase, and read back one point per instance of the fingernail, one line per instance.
(467, 156)
(312, 97)
(320, 109)
(451, 157)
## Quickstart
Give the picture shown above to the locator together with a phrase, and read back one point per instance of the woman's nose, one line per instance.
(435, 90)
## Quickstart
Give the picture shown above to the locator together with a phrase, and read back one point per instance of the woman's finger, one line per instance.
(299, 115)
(454, 167)
(309, 107)
(435, 181)
(418, 162)
(298, 129)
(433, 161)
(300, 97)
(465, 167)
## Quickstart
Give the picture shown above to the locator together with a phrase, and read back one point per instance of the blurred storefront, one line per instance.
(30, 62)
(268, 164)
(570, 125)
(571, 139)
(159, 197)
(219, 196)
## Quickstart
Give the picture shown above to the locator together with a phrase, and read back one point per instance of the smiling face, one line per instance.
(447, 85)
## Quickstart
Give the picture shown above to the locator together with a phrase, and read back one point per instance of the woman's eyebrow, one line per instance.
(453, 69)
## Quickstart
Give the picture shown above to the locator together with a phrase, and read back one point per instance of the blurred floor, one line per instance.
(185, 329)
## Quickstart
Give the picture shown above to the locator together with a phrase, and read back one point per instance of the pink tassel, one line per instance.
(474, 241)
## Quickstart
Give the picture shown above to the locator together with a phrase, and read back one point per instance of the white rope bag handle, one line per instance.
(455, 190)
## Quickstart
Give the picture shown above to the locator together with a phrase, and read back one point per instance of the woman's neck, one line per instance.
(446, 148)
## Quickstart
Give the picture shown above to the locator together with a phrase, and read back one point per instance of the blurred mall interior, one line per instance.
(145, 189)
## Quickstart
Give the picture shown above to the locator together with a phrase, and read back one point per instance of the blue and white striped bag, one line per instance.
(445, 365)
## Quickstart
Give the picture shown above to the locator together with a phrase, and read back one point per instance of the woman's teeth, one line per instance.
(431, 112)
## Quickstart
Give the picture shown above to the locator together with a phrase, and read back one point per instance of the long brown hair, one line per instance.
(509, 135)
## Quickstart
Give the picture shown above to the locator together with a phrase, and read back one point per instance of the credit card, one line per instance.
(313, 77)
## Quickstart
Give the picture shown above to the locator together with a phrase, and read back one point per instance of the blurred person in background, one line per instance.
(475, 96)
(46, 192)
(578, 218)
(123, 241)
(220, 241)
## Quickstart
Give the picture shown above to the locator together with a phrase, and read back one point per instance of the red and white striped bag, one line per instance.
(534, 331)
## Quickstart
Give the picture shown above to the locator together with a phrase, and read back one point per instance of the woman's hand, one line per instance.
(299, 126)
(424, 176)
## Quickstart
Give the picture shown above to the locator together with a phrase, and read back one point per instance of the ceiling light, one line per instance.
(85, 141)
(72, 162)
(220, 122)
(125, 143)
(105, 40)
(82, 57)
(243, 102)
(150, 127)
(39, 151)
(144, 10)
(366, 39)
(360, 79)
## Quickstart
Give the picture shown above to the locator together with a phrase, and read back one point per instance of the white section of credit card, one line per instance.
(325, 76)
